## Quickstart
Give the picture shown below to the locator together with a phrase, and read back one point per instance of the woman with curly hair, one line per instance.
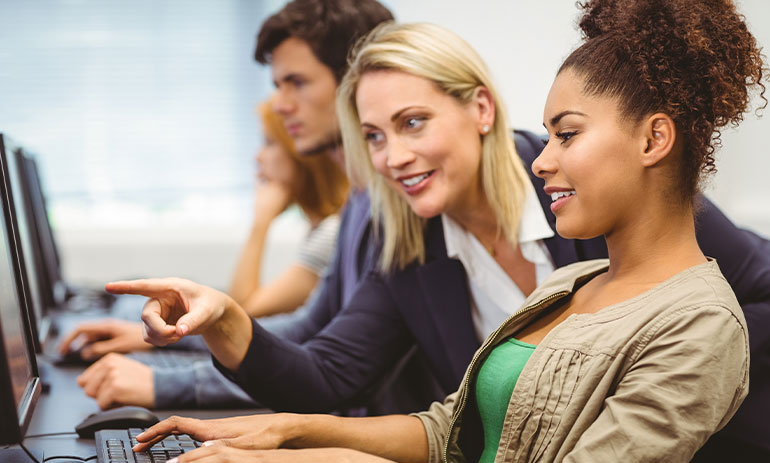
(638, 357)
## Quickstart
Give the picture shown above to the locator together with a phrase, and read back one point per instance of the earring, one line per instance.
(485, 129)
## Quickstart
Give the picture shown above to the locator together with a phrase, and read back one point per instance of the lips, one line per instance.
(559, 197)
(293, 129)
(561, 194)
(413, 184)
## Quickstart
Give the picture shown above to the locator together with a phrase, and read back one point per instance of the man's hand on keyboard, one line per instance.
(116, 380)
(105, 336)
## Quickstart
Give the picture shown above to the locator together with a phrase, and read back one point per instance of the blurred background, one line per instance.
(141, 116)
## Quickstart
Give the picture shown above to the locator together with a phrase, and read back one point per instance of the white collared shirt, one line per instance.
(494, 296)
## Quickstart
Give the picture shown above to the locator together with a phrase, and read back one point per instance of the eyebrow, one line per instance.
(555, 119)
(400, 112)
(287, 78)
(394, 117)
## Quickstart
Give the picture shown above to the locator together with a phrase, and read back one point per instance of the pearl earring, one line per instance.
(485, 129)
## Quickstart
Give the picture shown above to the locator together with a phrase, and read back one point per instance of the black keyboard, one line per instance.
(170, 358)
(114, 446)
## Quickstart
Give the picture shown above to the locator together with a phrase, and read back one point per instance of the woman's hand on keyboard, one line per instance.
(265, 431)
(179, 307)
(255, 436)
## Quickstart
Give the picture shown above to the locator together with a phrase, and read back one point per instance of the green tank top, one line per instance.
(494, 386)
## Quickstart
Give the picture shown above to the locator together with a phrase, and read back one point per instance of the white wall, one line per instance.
(204, 254)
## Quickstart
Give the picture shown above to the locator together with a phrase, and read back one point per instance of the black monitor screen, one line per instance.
(19, 382)
(50, 272)
(29, 256)
(12, 325)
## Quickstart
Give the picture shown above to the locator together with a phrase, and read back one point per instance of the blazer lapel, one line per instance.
(444, 287)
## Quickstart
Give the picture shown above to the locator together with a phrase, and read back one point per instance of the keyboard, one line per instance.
(170, 358)
(114, 446)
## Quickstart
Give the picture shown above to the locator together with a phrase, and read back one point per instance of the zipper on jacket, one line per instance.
(490, 340)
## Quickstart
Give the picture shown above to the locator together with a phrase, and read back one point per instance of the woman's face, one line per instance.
(274, 163)
(590, 165)
(426, 144)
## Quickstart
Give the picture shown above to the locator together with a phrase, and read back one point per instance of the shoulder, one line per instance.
(327, 227)
(694, 307)
(697, 287)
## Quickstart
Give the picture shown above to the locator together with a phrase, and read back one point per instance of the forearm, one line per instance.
(396, 437)
(248, 271)
(359, 345)
(229, 337)
(284, 294)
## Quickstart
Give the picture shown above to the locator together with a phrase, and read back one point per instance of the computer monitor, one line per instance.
(29, 254)
(19, 378)
(52, 283)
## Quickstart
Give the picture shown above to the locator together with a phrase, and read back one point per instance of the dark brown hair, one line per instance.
(694, 60)
(330, 27)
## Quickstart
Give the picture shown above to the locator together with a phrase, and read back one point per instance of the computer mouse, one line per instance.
(71, 358)
(117, 418)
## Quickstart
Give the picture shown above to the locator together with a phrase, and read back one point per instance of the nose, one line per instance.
(545, 163)
(260, 155)
(283, 103)
(399, 155)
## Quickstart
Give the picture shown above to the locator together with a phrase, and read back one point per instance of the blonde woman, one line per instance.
(422, 124)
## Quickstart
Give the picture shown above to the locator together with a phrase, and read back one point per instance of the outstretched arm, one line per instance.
(179, 307)
(396, 437)
(358, 346)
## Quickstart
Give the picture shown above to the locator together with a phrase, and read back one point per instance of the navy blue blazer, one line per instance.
(429, 306)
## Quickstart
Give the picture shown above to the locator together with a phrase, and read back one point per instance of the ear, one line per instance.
(660, 136)
(483, 107)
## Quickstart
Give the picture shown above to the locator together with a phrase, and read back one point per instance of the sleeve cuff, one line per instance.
(174, 387)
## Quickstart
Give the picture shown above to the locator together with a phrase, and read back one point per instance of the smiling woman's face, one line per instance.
(426, 144)
(590, 165)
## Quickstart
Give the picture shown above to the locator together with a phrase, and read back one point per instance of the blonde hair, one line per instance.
(434, 53)
(321, 187)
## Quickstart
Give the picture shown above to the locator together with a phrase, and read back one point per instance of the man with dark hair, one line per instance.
(306, 45)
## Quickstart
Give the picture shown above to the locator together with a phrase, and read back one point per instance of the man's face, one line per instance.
(304, 97)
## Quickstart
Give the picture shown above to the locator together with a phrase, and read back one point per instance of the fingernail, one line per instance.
(207, 444)
(140, 435)
(173, 460)
(183, 329)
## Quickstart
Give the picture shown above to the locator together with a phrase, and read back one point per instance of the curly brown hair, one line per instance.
(694, 60)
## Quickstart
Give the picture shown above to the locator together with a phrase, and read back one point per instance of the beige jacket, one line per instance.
(645, 380)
